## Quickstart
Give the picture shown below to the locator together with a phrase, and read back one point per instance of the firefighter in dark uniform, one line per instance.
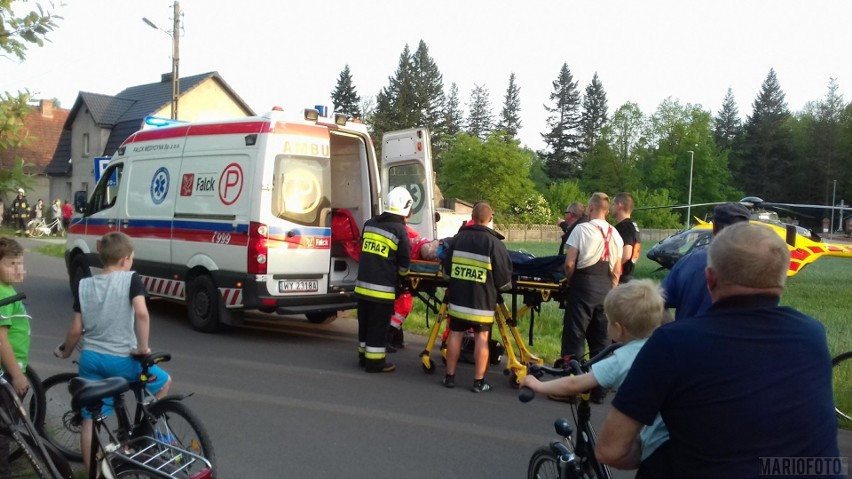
(20, 212)
(478, 267)
(385, 258)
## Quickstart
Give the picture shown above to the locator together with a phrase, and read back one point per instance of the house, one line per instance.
(97, 124)
(42, 128)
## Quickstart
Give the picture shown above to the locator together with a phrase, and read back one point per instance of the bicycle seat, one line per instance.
(89, 393)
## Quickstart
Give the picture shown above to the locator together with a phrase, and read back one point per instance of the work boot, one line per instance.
(362, 361)
(379, 366)
(396, 339)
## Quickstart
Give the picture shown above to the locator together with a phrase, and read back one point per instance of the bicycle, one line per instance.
(138, 449)
(46, 462)
(569, 458)
(39, 227)
(841, 381)
(168, 417)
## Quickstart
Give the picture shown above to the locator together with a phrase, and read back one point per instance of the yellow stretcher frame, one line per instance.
(425, 286)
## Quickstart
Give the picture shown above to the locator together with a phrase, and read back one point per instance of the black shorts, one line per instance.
(462, 325)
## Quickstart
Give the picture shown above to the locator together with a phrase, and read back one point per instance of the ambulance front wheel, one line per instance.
(79, 271)
(204, 305)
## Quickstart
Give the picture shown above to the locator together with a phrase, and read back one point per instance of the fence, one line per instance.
(553, 234)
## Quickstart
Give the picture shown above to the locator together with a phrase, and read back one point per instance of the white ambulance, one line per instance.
(237, 215)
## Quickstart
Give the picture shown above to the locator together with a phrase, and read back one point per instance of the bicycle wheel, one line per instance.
(61, 425)
(841, 381)
(178, 425)
(543, 464)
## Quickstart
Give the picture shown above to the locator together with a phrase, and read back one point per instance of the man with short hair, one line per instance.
(592, 269)
(685, 285)
(622, 208)
(575, 213)
(478, 267)
(738, 387)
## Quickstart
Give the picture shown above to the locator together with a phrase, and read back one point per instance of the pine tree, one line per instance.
(480, 120)
(595, 114)
(344, 96)
(510, 120)
(395, 103)
(825, 137)
(429, 97)
(767, 171)
(563, 139)
(453, 115)
(727, 124)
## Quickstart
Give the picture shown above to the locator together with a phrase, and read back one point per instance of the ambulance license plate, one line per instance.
(298, 286)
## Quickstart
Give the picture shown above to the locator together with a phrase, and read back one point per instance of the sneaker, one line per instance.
(565, 399)
(481, 386)
(449, 381)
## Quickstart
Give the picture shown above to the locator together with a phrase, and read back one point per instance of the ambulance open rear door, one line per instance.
(407, 162)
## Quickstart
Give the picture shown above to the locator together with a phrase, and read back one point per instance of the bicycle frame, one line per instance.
(126, 446)
(25, 426)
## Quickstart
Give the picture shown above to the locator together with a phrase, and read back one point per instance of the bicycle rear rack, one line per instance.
(154, 455)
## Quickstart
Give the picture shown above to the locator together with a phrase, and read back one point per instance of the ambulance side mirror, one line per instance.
(80, 201)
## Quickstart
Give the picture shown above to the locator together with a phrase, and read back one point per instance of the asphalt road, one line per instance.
(285, 398)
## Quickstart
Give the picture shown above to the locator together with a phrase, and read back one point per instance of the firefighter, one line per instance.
(20, 212)
(478, 266)
(385, 259)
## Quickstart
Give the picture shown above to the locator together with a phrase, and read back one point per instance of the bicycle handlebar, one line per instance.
(12, 299)
(572, 368)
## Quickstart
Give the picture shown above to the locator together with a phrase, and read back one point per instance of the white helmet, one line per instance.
(399, 201)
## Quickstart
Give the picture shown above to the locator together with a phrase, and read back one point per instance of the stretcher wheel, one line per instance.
(514, 382)
(426, 363)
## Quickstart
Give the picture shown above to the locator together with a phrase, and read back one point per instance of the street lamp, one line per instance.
(831, 228)
(689, 197)
(175, 34)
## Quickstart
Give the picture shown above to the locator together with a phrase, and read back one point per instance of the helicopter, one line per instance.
(805, 245)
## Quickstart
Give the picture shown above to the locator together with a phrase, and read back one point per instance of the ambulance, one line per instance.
(259, 213)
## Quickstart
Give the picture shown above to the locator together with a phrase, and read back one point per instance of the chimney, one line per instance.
(46, 108)
(166, 77)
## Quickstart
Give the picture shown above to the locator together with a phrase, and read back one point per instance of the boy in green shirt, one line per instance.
(14, 331)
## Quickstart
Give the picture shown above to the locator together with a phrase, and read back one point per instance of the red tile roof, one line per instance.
(42, 127)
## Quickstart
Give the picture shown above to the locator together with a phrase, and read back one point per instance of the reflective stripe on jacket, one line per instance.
(385, 256)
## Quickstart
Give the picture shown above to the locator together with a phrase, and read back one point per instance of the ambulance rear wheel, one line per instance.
(204, 305)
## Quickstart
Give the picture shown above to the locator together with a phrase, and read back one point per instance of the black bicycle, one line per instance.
(132, 449)
(569, 458)
(168, 419)
(841, 381)
(44, 460)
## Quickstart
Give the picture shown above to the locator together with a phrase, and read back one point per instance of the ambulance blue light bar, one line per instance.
(322, 109)
(160, 122)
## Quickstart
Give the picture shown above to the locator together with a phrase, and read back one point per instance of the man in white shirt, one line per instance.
(592, 268)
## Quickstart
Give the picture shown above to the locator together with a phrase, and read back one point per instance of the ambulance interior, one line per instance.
(351, 206)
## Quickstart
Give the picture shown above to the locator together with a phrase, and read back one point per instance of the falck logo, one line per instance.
(186, 184)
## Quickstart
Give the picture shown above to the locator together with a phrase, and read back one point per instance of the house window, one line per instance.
(85, 144)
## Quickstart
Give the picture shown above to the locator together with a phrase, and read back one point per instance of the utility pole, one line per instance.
(689, 198)
(175, 34)
(175, 61)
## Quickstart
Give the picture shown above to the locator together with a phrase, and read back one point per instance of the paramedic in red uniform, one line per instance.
(385, 258)
(478, 267)
(592, 268)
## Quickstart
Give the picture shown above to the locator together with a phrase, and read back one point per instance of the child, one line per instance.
(634, 310)
(111, 309)
(14, 331)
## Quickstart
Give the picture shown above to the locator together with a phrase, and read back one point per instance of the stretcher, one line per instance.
(534, 281)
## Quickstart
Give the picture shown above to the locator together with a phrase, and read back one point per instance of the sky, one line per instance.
(290, 53)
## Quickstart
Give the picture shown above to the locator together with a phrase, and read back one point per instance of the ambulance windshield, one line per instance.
(300, 189)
